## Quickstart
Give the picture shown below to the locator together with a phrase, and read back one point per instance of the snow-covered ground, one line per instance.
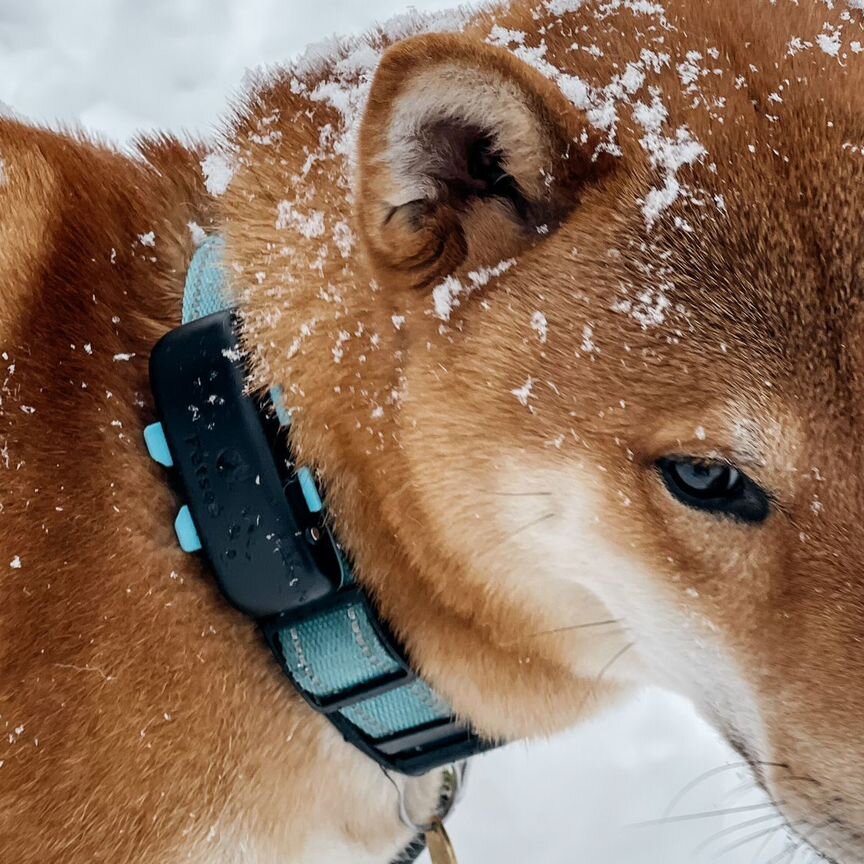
(118, 66)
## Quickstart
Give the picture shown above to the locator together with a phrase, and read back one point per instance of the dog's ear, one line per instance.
(467, 156)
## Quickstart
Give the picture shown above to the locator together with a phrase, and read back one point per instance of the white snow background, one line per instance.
(118, 66)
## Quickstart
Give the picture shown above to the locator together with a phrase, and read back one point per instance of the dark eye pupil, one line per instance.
(706, 478)
(715, 487)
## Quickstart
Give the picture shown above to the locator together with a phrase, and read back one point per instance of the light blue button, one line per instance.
(186, 531)
(157, 445)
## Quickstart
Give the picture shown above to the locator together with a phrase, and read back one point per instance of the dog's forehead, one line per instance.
(780, 273)
(753, 314)
(742, 223)
(762, 265)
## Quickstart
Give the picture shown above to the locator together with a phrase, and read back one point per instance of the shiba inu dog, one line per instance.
(565, 299)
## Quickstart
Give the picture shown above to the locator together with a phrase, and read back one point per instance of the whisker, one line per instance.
(782, 857)
(586, 626)
(592, 687)
(533, 523)
(734, 829)
(752, 838)
(804, 839)
(527, 527)
(613, 661)
(708, 814)
(791, 849)
(498, 494)
(764, 845)
(749, 786)
(713, 772)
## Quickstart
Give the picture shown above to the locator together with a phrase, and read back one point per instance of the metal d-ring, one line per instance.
(452, 787)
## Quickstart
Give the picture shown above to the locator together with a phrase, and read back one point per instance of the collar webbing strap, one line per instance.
(338, 653)
(206, 290)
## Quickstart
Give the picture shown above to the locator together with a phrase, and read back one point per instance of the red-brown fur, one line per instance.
(158, 716)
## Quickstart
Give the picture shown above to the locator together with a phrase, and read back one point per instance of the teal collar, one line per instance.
(261, 523)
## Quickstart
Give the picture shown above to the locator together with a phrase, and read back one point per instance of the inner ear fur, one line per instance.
(467, 156)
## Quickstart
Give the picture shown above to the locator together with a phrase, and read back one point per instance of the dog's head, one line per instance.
(642, 348)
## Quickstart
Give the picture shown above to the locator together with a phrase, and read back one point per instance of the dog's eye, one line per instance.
(715, 487)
